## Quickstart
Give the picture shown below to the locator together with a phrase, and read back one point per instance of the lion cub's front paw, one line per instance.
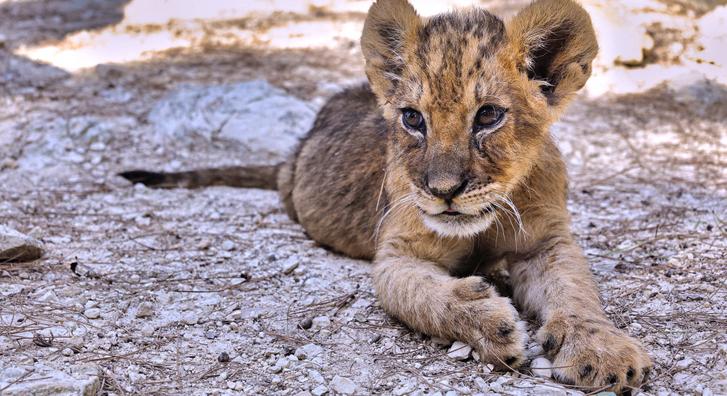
(486, 321)
(593, 352)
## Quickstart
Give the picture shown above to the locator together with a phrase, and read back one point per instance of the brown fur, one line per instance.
(367, 186)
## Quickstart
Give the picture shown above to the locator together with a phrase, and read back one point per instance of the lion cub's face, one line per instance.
(469, 100)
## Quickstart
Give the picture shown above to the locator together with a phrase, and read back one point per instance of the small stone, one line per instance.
(489, 368)
(308, 352)
(343, 385)
(319, 390)
(482, 384)
(316, 376)
(459, 351)
(542, 367)
(281, 364)
(228, 245)
(92, 313)
(534, 351)
(306, 323)
(16, 247)
(476, 356)
(321, 322)
(376, 338)
(67, 352)
(223, 357)
(685, 363)
(145, 310)
(190, 318)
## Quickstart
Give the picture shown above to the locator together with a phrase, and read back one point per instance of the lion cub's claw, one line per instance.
(594, 353)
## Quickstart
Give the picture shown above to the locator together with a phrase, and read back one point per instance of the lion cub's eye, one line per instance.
(489, 117)
(413, 119)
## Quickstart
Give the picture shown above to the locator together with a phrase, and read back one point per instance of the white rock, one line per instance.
(281, 364)
(316, 376)
(92, 313)
(482, 384)
(228, 245)
(319, 390)
(82, 380)
(190, 318)
(265, 118)
(12, 373)
(321, 322)
(309, 352)
(684, 363)
(459, 351)
(542, 367)
(343, 385)
(17, 247)
(67, 352)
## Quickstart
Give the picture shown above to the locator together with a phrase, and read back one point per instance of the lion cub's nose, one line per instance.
(448, 187)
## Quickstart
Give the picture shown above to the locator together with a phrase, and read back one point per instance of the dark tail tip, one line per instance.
(143, 177)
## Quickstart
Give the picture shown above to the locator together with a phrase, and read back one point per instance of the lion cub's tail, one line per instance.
(264, 177)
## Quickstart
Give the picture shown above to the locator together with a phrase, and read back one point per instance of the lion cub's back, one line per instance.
(332, 183)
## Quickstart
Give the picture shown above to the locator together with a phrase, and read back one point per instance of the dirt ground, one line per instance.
(216, 291)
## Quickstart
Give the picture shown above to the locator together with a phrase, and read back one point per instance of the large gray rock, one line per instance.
(255, 113)
(44, 381)
(16, 247)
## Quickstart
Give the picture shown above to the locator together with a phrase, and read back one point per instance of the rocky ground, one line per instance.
(216, 291)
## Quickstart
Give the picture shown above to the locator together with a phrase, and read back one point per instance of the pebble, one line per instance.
(228, 245)
(145, 310)
(321, 322)
(67, 352)
(542, 367)
(308, 352)
(16, 247)
(316, 376)
(459, 351)
(223, 357)
(684, 363)
(482, 384)
(534, 351)
(319, 390)
(92, 313)
(343, 385)
(306, 323)
(280, 365)
(190, 318)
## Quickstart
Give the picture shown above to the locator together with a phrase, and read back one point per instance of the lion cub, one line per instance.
(444, 165)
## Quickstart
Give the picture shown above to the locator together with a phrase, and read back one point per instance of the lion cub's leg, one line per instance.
(588, 350)
(423, 296)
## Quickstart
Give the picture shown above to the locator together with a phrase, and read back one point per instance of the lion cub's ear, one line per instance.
(391, 27)
(554, 43)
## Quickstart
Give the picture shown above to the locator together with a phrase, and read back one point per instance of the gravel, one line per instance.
(459, 351)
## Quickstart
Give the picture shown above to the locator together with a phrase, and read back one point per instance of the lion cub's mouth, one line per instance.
(453, 213)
